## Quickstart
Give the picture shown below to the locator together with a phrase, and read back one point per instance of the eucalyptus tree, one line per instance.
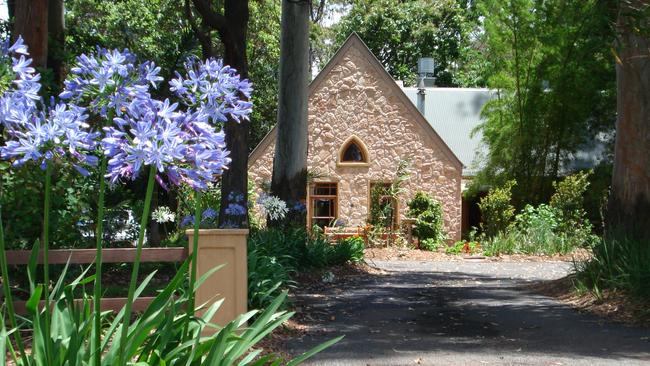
(629, 201)
(290, 160)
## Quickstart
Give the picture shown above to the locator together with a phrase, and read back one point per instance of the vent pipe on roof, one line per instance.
(426, 68)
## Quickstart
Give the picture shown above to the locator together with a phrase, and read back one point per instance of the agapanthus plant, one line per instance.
(272, 207)
(138, 133)
(19, 83)
(178, 146)
(40, 133)
(215, 89)
(107, 82)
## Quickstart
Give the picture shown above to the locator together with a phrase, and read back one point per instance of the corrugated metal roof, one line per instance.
(454, 113)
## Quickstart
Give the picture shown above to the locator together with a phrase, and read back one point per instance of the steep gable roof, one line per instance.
(355, 42)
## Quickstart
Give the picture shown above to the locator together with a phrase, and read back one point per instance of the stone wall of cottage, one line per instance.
(354, 100)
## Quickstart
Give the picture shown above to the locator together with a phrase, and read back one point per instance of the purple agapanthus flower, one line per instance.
(235, 209)
(181, 146)
(59, 132)
(214, 89)
(187, 221)
(209, 215)
(19, 101)
(35, 131)
(110, 80)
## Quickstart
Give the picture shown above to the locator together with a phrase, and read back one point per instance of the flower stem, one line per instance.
(136, 264)
(46, 258)
(99, 236)
(7, 293)
(195, 248)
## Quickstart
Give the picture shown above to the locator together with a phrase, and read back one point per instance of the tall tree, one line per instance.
(231, 24)
(629, 201)
(289, 180)
(56, 40)
(263, 60)
(31, 22)
(554, 85)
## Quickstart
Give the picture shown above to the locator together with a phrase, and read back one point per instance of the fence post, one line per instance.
(228, 247)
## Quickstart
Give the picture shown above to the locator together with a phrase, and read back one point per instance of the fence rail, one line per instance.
(112, 255)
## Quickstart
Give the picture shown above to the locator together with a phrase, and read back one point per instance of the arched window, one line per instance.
(353, 152)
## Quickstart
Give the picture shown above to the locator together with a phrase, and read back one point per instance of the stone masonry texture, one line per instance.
(355, 99)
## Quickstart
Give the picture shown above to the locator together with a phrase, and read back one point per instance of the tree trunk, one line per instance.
(629, 201)
(56, 46)
(31, 22)
(289, 180)
(232, 27)
(234, 182)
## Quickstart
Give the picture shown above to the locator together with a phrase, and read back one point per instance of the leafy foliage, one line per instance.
(559, 227)
(276, 256)
(550, 66)
(620, 263)
(568, 202)
(497, 210)
(430, 244)
(154, 337)
(463, 247)
(429, 220)
(400, 32)
(383, 198)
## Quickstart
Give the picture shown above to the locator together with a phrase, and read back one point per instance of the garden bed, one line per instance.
(406, 254)
(612, 305)
(309, 282)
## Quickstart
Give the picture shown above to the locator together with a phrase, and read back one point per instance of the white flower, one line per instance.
(163, 214)
(273, 207)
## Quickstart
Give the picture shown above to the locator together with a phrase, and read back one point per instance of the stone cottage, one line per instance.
(362, 126)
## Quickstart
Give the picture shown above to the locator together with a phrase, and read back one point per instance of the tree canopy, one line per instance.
(401, 32)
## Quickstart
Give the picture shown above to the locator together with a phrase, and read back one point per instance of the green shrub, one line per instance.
(267, 278)
(496, 210)
(466, 247)
(618, 263)
(349, 250)
(568, 202)
(419, 204)
(430, 244)
(429, 221)
(276, 255)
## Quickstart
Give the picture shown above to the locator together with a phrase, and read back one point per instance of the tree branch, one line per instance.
(211, 18)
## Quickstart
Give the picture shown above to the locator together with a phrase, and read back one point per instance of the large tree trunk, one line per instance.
(56, 46)
(629, 202)
(31, 22)
(232, 27)
(290, 161)
(234, 182)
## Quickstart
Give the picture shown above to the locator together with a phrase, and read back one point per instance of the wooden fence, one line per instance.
(113, 255)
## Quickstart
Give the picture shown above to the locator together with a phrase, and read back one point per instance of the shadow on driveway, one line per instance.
(461, 313)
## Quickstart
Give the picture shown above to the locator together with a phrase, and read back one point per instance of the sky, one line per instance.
(4, 12)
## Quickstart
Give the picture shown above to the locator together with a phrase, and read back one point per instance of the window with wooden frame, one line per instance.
(323, 204)
(353, 153)
(383, 205)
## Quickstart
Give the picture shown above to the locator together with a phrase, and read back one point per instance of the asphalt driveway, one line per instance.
(462, 313)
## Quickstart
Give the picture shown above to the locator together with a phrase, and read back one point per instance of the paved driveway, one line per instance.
(463, 313)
